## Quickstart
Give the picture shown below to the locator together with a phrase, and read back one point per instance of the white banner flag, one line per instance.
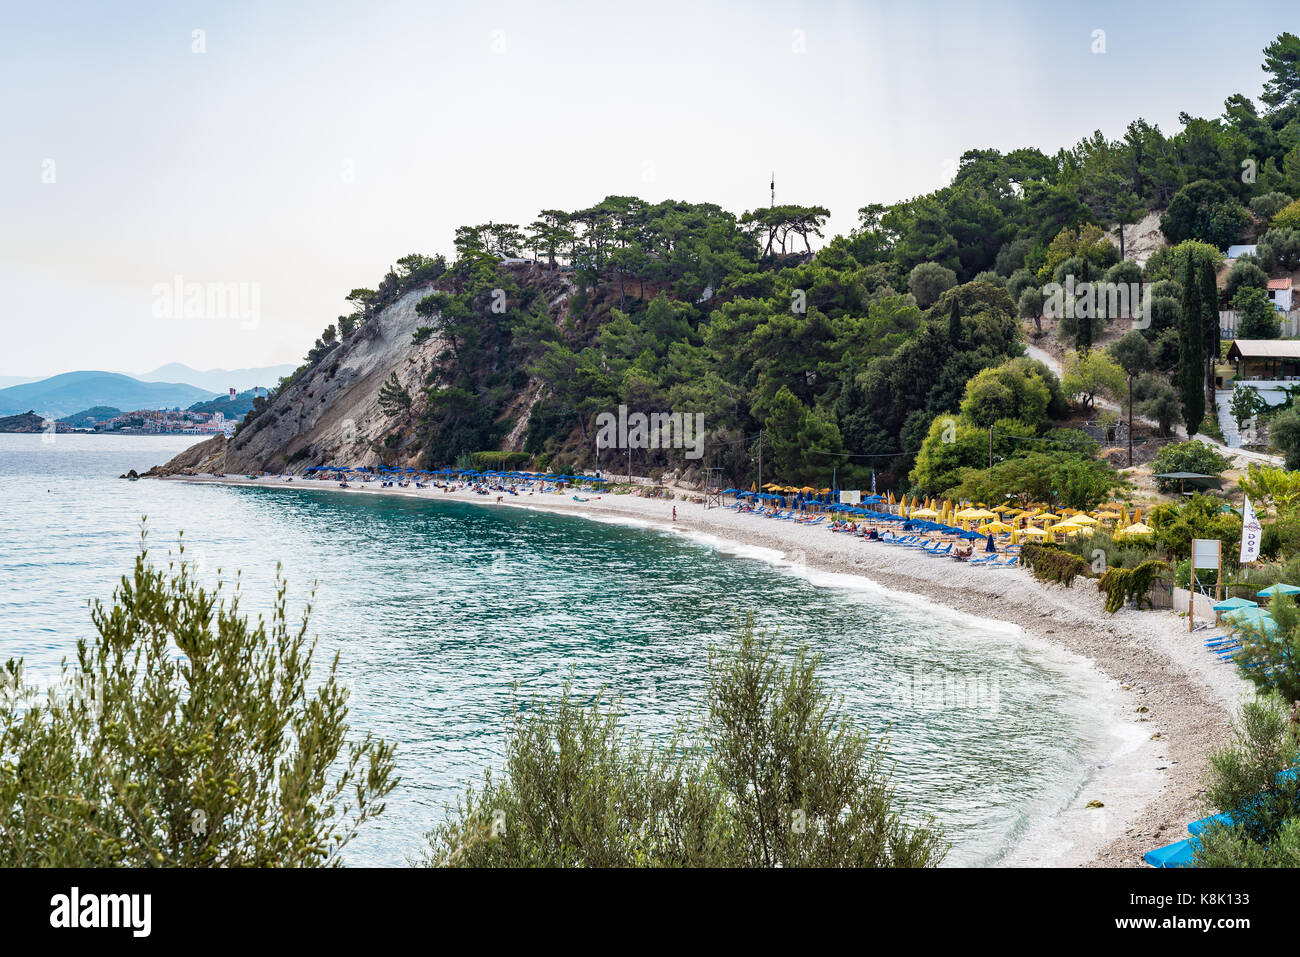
(1250, 534)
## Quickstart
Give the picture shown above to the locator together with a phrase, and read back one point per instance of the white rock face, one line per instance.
(1141, 239)
(333, 409)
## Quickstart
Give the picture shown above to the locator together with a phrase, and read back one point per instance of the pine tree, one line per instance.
(1191, 351)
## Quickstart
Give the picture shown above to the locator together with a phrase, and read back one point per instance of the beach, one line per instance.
(1173, 698)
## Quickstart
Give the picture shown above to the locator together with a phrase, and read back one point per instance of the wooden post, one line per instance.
(1130, 420)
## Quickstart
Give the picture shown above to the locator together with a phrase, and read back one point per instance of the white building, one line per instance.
(1279, 294)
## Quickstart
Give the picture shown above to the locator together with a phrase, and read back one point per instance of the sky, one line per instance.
(290, 152)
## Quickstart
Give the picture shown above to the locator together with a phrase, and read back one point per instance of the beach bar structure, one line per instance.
(1269, 365)
(1195, 479)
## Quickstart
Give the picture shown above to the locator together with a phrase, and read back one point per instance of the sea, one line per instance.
(448, 615)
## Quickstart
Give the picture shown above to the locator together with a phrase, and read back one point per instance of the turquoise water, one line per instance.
(439, 608)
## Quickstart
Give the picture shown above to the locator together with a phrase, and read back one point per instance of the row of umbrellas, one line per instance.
(462, 473)
(1243, 611)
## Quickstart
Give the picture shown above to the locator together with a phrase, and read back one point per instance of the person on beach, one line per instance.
(674, 513)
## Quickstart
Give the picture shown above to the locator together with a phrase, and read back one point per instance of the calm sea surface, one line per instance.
(440, 608)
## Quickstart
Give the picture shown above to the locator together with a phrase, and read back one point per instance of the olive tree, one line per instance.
(1253, 780)
(193, 739)
(783, 778)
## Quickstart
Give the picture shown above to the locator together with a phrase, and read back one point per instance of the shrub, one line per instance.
(1284, 435)
(1258, 319)
(1122, 585)
(928, 281)
(1193, 456)
(219, 756)
(1248, 780)
(1269, 205)
(1288, 217)
(1280, 249)
(1051, 564)
(786, 781)
(1204, 210)
(1244, 274)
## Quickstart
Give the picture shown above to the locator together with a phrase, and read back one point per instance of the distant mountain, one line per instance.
(8, 380)
(219, 380)
(71, 392)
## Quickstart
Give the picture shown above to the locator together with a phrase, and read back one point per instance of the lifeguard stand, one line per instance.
(712, 488)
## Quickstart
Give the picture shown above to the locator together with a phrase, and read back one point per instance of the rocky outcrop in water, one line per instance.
(27, 422)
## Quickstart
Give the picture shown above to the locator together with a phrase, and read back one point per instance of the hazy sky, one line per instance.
(308, 146)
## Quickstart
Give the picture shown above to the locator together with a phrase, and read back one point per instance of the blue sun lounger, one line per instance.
(1178, 854)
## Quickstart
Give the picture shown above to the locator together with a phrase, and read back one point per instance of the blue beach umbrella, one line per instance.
(1281, 588)
(1253, 617)
(1232, 604)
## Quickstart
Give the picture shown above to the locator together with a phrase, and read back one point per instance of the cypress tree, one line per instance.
(954, 322)
(1191, 349)
(1210, 310)
(1083, 324)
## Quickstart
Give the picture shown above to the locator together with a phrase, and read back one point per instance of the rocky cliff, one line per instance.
(330, 412)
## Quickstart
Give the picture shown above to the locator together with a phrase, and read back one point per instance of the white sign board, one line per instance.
(850, 498)
(1205, 552)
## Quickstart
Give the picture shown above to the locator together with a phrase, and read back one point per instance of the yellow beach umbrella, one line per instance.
(924, 513)
(1137, 528)
(1033, 532)
(995, 528)
(1082, 519)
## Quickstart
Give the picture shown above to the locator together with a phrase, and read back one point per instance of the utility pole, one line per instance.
(990, 446)
(1130, 418)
